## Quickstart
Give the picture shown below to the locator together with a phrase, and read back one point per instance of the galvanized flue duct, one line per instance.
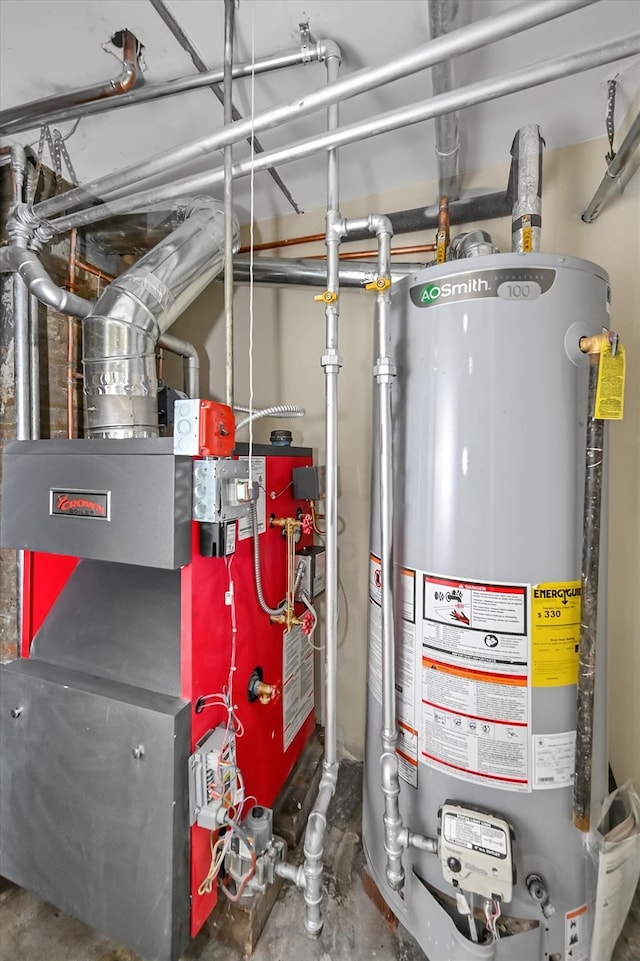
(121, 333)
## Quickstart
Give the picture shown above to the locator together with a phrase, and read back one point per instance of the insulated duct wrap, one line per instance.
(121, 333)
(525, 187)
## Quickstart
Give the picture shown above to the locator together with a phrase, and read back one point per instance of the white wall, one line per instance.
(289, 332)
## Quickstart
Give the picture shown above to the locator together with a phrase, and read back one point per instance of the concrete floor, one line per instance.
(31, 930)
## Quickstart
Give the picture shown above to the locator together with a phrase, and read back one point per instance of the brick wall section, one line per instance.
(53, 387)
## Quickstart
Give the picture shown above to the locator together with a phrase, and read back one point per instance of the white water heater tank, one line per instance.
(489, 414)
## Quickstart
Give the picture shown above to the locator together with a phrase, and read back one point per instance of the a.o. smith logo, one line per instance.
(68, 503)
(508, 283)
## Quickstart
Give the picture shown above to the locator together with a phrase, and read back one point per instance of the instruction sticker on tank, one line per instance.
(478, 623)
(405, 685)
(475, 681)
(297, 684)
(555, 633)
(258, 475)
(576, 934)
(553, 760)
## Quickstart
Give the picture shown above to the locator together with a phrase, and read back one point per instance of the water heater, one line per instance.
(489, 412)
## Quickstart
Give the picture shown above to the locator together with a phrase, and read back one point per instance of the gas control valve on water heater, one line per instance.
(489, 417)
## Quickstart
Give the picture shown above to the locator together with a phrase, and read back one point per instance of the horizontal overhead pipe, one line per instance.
(311, 273)
(486, 206)
(454, 44)
(168, 88)
(614, 172)
(28, 115)
(534, 75)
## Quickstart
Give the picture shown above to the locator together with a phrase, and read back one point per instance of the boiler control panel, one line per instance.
(476, 851)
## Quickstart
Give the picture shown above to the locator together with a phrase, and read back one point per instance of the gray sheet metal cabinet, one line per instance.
(93, 802)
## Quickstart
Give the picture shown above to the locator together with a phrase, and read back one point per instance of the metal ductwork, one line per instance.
(122, 331)
(445, 16)
(525, 188)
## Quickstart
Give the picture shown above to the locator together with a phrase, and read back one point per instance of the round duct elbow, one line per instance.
(121, 334)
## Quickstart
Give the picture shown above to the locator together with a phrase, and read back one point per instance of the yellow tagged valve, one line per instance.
(328, 297)
(379, 284)
(610, 387)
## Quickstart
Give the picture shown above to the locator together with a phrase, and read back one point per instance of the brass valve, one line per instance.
(267, 692)
(259, 690)
(328, 297)
(379, 284)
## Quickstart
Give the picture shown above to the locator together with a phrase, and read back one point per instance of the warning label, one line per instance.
(297, 687)
(475, 681)
(576, 934)
(475, 725)
(245, 525)
(610, 387)
(483, 624)
(555, 633)
(405, 684)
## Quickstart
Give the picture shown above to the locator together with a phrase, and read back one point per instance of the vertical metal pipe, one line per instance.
(20, 362)
(71, 367)
(384, 371)
(443, 18)
(589, 613)
(20, 310)
(331, 363)
(229, 16)
(34, 365)
(34, 335)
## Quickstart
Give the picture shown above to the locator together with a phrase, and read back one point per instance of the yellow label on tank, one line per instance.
(610, 389)
(527, 240)
(555, 633)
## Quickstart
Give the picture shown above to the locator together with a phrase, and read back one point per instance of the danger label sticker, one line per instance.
(555, 633)
(475, 681)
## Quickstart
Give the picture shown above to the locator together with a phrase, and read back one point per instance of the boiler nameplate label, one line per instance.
(80, 503)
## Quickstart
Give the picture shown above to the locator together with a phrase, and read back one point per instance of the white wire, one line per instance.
(251, 240)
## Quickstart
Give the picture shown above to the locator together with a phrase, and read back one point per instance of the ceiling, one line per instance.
(49, 46)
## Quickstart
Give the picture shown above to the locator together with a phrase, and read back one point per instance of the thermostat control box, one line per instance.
(475, 850)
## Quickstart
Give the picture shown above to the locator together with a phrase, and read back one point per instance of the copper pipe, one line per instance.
(127, 79)
(71, 372)
(443, 214)
(27, 115)
(277, 244)
(367, 254)
(94, 271)
(442, 236)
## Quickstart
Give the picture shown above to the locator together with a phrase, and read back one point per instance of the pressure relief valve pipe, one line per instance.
(594, 468)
